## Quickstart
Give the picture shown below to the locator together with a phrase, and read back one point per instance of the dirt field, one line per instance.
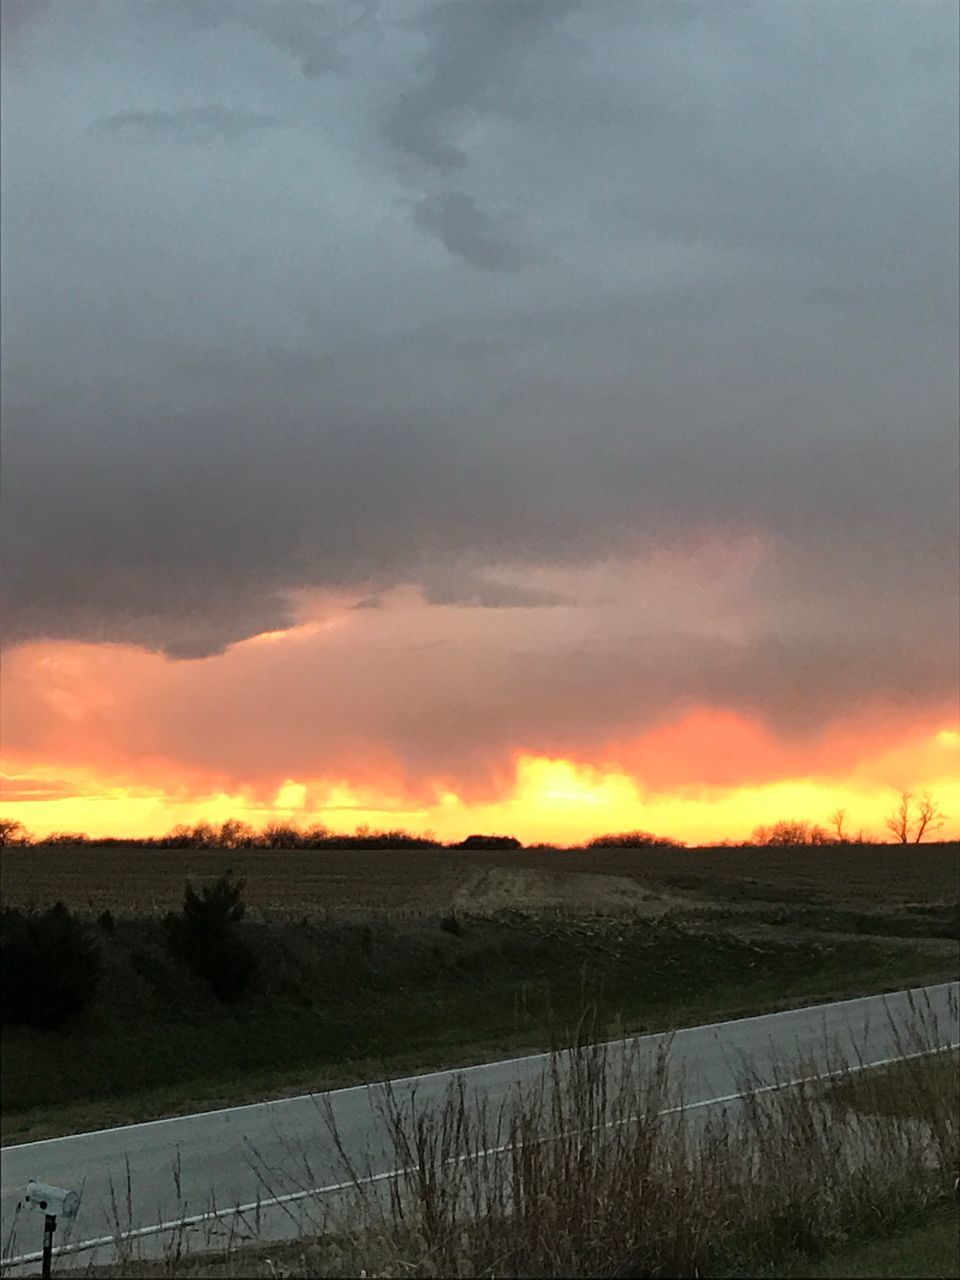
(419, 882)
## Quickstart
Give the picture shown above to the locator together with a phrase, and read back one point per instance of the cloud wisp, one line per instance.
(189, 125)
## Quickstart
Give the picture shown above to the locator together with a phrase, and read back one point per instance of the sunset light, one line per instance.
(115, 740)
(479, 562)
(545, 799)
(375, 457)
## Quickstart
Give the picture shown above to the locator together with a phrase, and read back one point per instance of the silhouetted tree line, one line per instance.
(634, 840)
(914, 819)
(234, 834)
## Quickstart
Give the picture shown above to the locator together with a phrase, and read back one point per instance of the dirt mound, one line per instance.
(575, 893)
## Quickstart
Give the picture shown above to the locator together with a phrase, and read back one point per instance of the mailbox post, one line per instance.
(49, 1227)
(52, 1202)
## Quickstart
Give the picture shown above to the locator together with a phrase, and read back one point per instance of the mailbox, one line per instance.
(45, 1198)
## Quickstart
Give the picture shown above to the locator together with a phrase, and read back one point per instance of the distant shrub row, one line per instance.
(915, 819)
(234, 834)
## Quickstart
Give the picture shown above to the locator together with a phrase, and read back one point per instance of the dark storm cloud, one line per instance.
(469, 51)
(470, 233)
(233, 372)
(314, 34)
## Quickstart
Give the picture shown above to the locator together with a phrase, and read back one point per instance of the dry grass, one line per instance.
(413, 882)
(601, 1171)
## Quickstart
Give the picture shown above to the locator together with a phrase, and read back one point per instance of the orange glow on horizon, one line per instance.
(551, 800)
(113, 740)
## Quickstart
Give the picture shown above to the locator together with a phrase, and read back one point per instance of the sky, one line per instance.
(517, 415)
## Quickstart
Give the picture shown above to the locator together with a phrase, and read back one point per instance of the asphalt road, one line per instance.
(199, 1168)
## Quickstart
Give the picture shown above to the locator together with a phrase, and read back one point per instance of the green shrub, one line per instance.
(51, 966)
(204, 935)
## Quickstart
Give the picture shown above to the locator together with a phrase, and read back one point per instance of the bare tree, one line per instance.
(316, 837)
(898, 822)
(788, 832)
(929, 816)
(913, 819)
(177, 838)
(13, 832)
(234, 834)
(203, 836)
(280, 835)
(837, 819)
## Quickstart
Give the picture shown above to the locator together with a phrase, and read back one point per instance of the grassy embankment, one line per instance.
(652, 940)
(928, 1247)
(929, 1250)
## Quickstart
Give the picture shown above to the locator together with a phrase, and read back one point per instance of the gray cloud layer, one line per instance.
(447, 286)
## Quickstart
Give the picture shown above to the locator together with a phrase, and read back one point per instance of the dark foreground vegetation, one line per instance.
(302, 972)
(206, 1003)
(599, 1172)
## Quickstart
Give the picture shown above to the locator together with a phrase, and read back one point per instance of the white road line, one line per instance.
(477, 1066)
(256, 1206)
